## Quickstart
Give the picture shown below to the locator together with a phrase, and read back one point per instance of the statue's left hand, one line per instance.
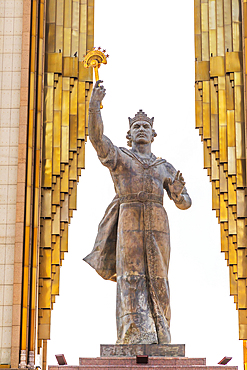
(176, 186)
(97, 94)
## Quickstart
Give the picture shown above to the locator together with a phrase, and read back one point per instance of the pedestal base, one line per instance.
(129, 350)
(124, 357)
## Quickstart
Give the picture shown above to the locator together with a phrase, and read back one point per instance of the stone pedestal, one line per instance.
(167, 350)
(124, 357)
(154, 363)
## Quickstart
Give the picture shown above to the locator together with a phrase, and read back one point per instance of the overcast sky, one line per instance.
(151, 67)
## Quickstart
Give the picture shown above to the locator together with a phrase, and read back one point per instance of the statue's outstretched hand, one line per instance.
(176, 186)
(97, 94)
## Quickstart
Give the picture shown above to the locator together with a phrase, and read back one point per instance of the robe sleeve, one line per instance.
(110, 161)
(184, 200)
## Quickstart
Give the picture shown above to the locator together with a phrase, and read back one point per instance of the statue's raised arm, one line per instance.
(100, 142)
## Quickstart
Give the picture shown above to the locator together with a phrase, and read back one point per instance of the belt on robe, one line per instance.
(142, 197)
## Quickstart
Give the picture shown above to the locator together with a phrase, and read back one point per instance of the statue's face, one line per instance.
(141, 132)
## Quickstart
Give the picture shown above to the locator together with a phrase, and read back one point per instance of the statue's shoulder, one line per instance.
(125, 151)
(170, 168)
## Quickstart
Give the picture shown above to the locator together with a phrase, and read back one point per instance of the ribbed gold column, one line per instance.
(67, 90)
(220, 118)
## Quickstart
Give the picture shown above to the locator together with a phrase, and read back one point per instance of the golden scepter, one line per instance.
(95, 58)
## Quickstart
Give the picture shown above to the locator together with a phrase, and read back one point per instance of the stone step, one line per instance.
(140, 367)
(167, 361)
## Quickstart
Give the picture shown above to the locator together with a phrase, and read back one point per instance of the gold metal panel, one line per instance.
(45, 294)
(228, 36)
(81, 156)
(220, 41)
(238, 78)
(54, 62)
(241, 233)
(73, 197)
(55, 282)
(239, 104)
(59, 38)
(241, 203)
(59, 12)
(215, 197)
(231, 161)
(223, 143)
(214, 131)
(232, 199)
(56, 192)
(240, 140)
(241, 294)
(46, 203)
(68, 13)
(48, 111)
(74, 41)
(231, 128)
(45, 234)
(213, 42)
(242, 263)
(233, 282)
(217, 66)
(90, 23)
(70, 67)
(232, 252)
(64, 241)
(65, 180)
(232, 224)
(73, 133)
(81, 121)
(223, 209)
(204, 17)
(51, 12)
(244, 4)
(58, 94)
(236, 11)
(45, 264)
(65, 144)
(50, 37)
(205, 46)
(206, 121)
(73, 168)
(234, 62)
(43, 334)
(229, 94)
(75, 14)
(47, 173)
(86, 74)
(237, 36)
(65, 210)
(215, 167)
(56, 222)
(56, 252)
(223, 180)
(74, 99)
(198, 48)
(212, 14)
(224, 239)
(67, 42)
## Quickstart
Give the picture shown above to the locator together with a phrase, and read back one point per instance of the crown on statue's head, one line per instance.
(141, 116)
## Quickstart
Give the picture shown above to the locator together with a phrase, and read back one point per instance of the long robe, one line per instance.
(133, 246)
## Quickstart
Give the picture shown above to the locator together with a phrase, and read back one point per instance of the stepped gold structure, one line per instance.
(220, 101)
(53, 103)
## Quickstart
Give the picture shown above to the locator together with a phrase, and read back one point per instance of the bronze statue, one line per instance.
(133, 242)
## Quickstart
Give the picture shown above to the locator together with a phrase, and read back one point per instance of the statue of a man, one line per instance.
(133, 242)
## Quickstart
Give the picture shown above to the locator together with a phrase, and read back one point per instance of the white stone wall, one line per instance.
(10, 80)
